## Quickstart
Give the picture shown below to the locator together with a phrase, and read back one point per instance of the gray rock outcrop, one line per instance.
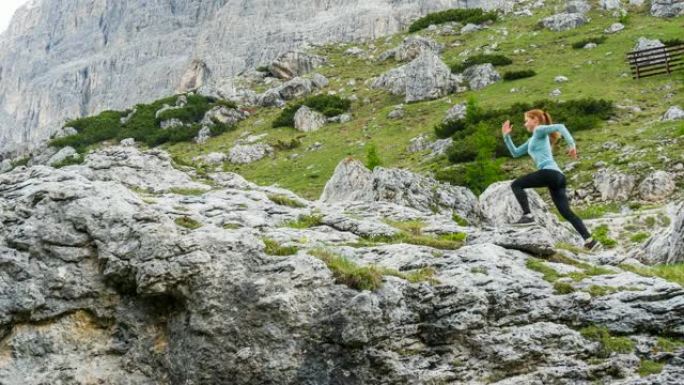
(102, 282)
(564, 21)
(426, 77)
(307, 119)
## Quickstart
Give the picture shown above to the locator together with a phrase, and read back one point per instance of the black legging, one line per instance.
(555, 181)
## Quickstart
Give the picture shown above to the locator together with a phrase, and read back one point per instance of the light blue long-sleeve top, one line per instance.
(539, 147)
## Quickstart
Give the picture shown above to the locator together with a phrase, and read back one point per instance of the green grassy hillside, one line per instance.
(600, 73)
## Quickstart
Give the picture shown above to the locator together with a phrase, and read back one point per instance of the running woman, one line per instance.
(544, 136)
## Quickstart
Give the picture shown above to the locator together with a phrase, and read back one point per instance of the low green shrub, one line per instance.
(672, 42)
(513, 75)
(328, 105)
(495, 60)
(464, 16)
(577, 115)
(372, 157)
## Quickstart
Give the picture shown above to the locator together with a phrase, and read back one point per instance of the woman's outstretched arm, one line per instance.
(515, 151)
(506, 129)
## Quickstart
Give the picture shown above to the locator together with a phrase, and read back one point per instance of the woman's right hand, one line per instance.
(507, 127)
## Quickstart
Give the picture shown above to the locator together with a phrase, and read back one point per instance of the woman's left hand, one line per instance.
(573, 152)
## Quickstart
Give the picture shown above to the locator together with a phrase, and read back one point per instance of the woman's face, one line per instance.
(531, 123)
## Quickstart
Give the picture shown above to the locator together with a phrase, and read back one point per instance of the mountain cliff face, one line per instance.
(70, 58)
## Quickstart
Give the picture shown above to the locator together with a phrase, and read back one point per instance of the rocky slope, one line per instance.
(66, 59)
(103, 281)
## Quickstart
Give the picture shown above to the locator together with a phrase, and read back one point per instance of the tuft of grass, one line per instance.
(648, 367)
(459, 220)
(639, 237)
(231, 226)
(285, 201)
(601, 234)
(666, 344)
(549, 273)
(274, 248)
(413, 227)
(188, 223)
(367, 277)
(597, 210)
(569, 247)
(372, 158)
(672, 272)
(609, 343)
(305, 221)
(187, 191)
(563, 287)
(71, 160)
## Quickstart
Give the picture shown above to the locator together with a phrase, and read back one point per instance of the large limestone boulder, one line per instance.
(564, 21)
(667, 8)
(480, 76)
(645, 43)
(411, 48)
(577, 6)
(223, 115)
(613, 185)
(294, 63)
(673, 113)
(657, 186)
(307, 119)
(352, 181)
(63, 154)
(610, 4)
(426, 77)
(500, 209)
(665, 246)
(248, 153)
(296, 88)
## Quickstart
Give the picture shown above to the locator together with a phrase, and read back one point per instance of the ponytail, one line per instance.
(545, 118)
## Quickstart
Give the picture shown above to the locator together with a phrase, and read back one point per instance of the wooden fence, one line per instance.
(656, 61)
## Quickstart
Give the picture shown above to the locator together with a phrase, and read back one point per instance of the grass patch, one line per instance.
(609, 343)
(187, 191)
(285, 201)
(305, 221)
(648, 367)
(413, 227)
(639, 237)
(274, 248)
(188, 223)
(666, 344)
(581, 43)
(597, 210)
(549, 273)
(563, 287)
(601, 234)
(459, 220)
(367, 277)
(600, 291)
